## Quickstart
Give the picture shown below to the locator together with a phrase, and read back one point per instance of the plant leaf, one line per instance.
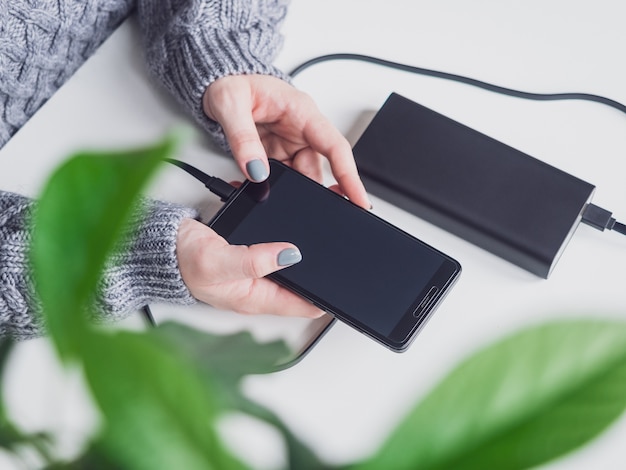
(222, 361)
(158, 414)
(82, 212)
(519, 403)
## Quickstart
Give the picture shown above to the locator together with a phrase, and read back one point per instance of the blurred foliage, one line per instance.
(517, 404)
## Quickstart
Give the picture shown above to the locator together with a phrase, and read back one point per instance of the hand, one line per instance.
(263, 115)
(231, 277)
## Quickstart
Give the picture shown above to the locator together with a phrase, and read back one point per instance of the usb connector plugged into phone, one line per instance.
(214, 184)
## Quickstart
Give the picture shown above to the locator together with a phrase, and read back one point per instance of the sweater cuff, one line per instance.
(145, 269)
(204, 55)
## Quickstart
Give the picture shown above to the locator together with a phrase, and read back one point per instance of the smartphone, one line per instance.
(357, 267)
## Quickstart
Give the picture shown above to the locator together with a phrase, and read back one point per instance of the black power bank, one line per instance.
(472, 185)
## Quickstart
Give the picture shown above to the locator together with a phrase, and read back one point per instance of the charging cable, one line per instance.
(461, 79)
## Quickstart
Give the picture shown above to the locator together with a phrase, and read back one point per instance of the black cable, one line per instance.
(216, 185)
(147, 313)
(459, 78)
(620, 228)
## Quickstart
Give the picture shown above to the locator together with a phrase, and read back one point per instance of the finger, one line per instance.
(336, 189)
(232, 108)
(308, 162)
(327, 140)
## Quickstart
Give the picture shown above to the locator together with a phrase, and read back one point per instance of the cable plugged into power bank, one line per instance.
(601, 219)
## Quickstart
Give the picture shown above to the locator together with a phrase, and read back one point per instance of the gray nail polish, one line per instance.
(289, 256)
(257, 170)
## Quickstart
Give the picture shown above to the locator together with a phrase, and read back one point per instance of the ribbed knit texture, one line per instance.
(18, 306)
(142, 270)
(189, 44)
(145, 269)
(189, 48)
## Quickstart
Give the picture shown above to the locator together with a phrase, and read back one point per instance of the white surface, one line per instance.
(350, 392)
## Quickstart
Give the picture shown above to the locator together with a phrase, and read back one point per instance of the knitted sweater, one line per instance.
(188, 45)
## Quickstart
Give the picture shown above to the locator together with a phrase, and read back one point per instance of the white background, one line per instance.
(349, 392)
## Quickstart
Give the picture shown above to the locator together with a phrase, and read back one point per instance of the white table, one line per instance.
(349, 392)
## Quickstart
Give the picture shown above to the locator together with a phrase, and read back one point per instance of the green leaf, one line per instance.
(522, 402)
(158, 414)
(222, 361)
(82, 212)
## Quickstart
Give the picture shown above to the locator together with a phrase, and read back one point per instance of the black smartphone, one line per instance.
(355, 266)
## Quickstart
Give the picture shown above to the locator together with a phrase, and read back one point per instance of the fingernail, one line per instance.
(257, 170)
(289, 256)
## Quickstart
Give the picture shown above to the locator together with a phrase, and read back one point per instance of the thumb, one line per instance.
(257, 261)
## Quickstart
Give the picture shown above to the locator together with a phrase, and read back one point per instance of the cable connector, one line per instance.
(216, 185)
(598, 218)
(220, 187)
(601, 219)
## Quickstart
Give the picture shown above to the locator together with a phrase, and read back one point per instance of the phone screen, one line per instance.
(356, 266)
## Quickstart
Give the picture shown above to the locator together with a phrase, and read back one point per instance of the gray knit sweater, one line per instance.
(188, 45)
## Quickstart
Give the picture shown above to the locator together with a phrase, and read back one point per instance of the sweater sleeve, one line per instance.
(142, 270)
(19, 310)
(191, 43)
(42, 44)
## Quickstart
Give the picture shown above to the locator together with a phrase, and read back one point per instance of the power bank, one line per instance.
(480, 189)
